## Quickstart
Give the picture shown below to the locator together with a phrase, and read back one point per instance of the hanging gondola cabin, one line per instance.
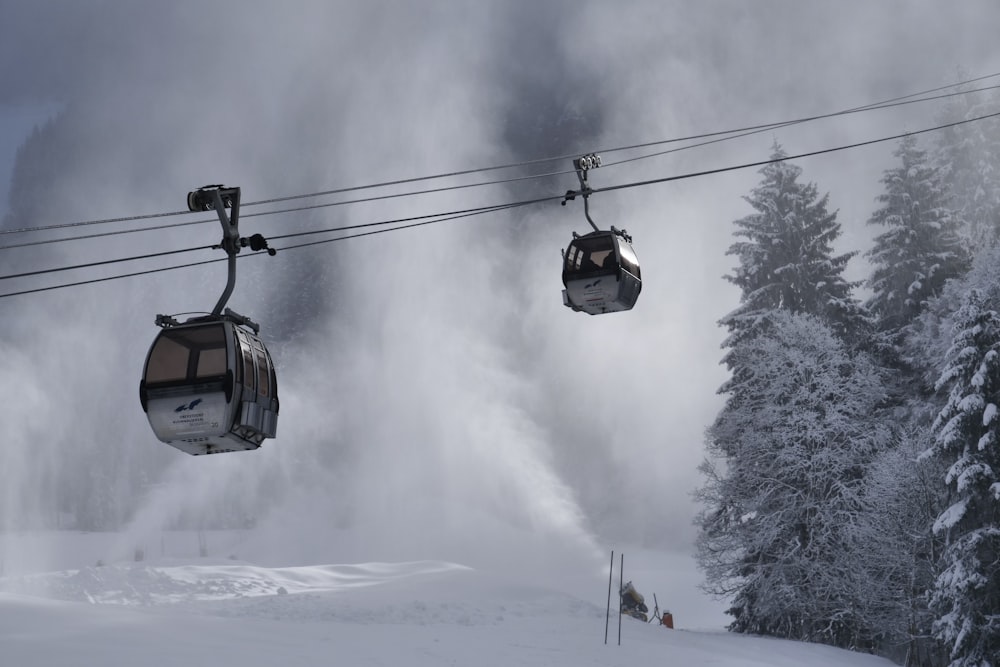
(209, 387)
(601, 273)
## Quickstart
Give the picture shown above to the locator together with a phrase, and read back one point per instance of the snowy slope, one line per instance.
(222, 612)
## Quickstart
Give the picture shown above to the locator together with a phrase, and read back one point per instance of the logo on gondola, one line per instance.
(188, 406)
(593, 284)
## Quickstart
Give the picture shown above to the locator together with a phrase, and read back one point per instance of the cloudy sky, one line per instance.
(437, 398)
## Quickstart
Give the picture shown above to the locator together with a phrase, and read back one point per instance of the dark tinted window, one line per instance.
(168, 361)
(265, 375)
(237, 362)
(246, 354)
(187, 353)
(591, 253)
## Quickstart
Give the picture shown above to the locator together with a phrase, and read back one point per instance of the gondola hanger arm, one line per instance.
(582, 165)
(219, 198)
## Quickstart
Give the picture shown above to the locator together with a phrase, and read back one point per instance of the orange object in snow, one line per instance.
(667, 619)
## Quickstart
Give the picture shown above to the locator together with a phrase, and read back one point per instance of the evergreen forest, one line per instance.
(851, 488)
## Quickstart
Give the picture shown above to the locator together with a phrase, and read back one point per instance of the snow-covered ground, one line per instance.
(222, 611)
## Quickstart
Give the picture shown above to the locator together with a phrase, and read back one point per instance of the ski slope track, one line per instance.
(221, 612)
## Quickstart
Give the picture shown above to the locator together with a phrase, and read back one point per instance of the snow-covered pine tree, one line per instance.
(920, 248)
(787, 451)
(894, 552)
(786, 258)
(795, 438)
(966, 596)
(968, 159)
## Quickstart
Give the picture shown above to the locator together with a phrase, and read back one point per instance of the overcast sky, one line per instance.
(434, 373)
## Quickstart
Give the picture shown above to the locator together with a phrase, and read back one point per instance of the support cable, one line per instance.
(739, 132)
(744, 132)
(720, 170)
(441, 217)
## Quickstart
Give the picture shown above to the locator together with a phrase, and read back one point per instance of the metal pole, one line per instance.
(607, 617)
(621, 579)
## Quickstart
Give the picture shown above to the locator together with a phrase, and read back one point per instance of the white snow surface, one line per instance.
(205, 611)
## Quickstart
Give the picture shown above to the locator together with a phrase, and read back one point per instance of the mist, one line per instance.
(437, 400)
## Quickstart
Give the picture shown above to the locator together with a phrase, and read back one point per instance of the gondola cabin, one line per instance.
(601, 273)
(209, 387)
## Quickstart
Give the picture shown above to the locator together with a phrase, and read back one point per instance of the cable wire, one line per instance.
(761, 163)
(434, 217)
(728, 135)
(441, 217)
(764, 128)
(898, 101)
(874, 106)
(105, 262)
(748, 165)
(133, 274)
(491, 209)
(451, 215)
(118, 277)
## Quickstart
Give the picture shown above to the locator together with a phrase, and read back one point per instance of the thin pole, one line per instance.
(621, 579)
(607, 617)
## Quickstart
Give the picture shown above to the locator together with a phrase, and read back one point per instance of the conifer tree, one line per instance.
(968, 159)
(786, 258)
(894, 553)
(966, 596)
(787, 450)
(795, 439)
(920, 248)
